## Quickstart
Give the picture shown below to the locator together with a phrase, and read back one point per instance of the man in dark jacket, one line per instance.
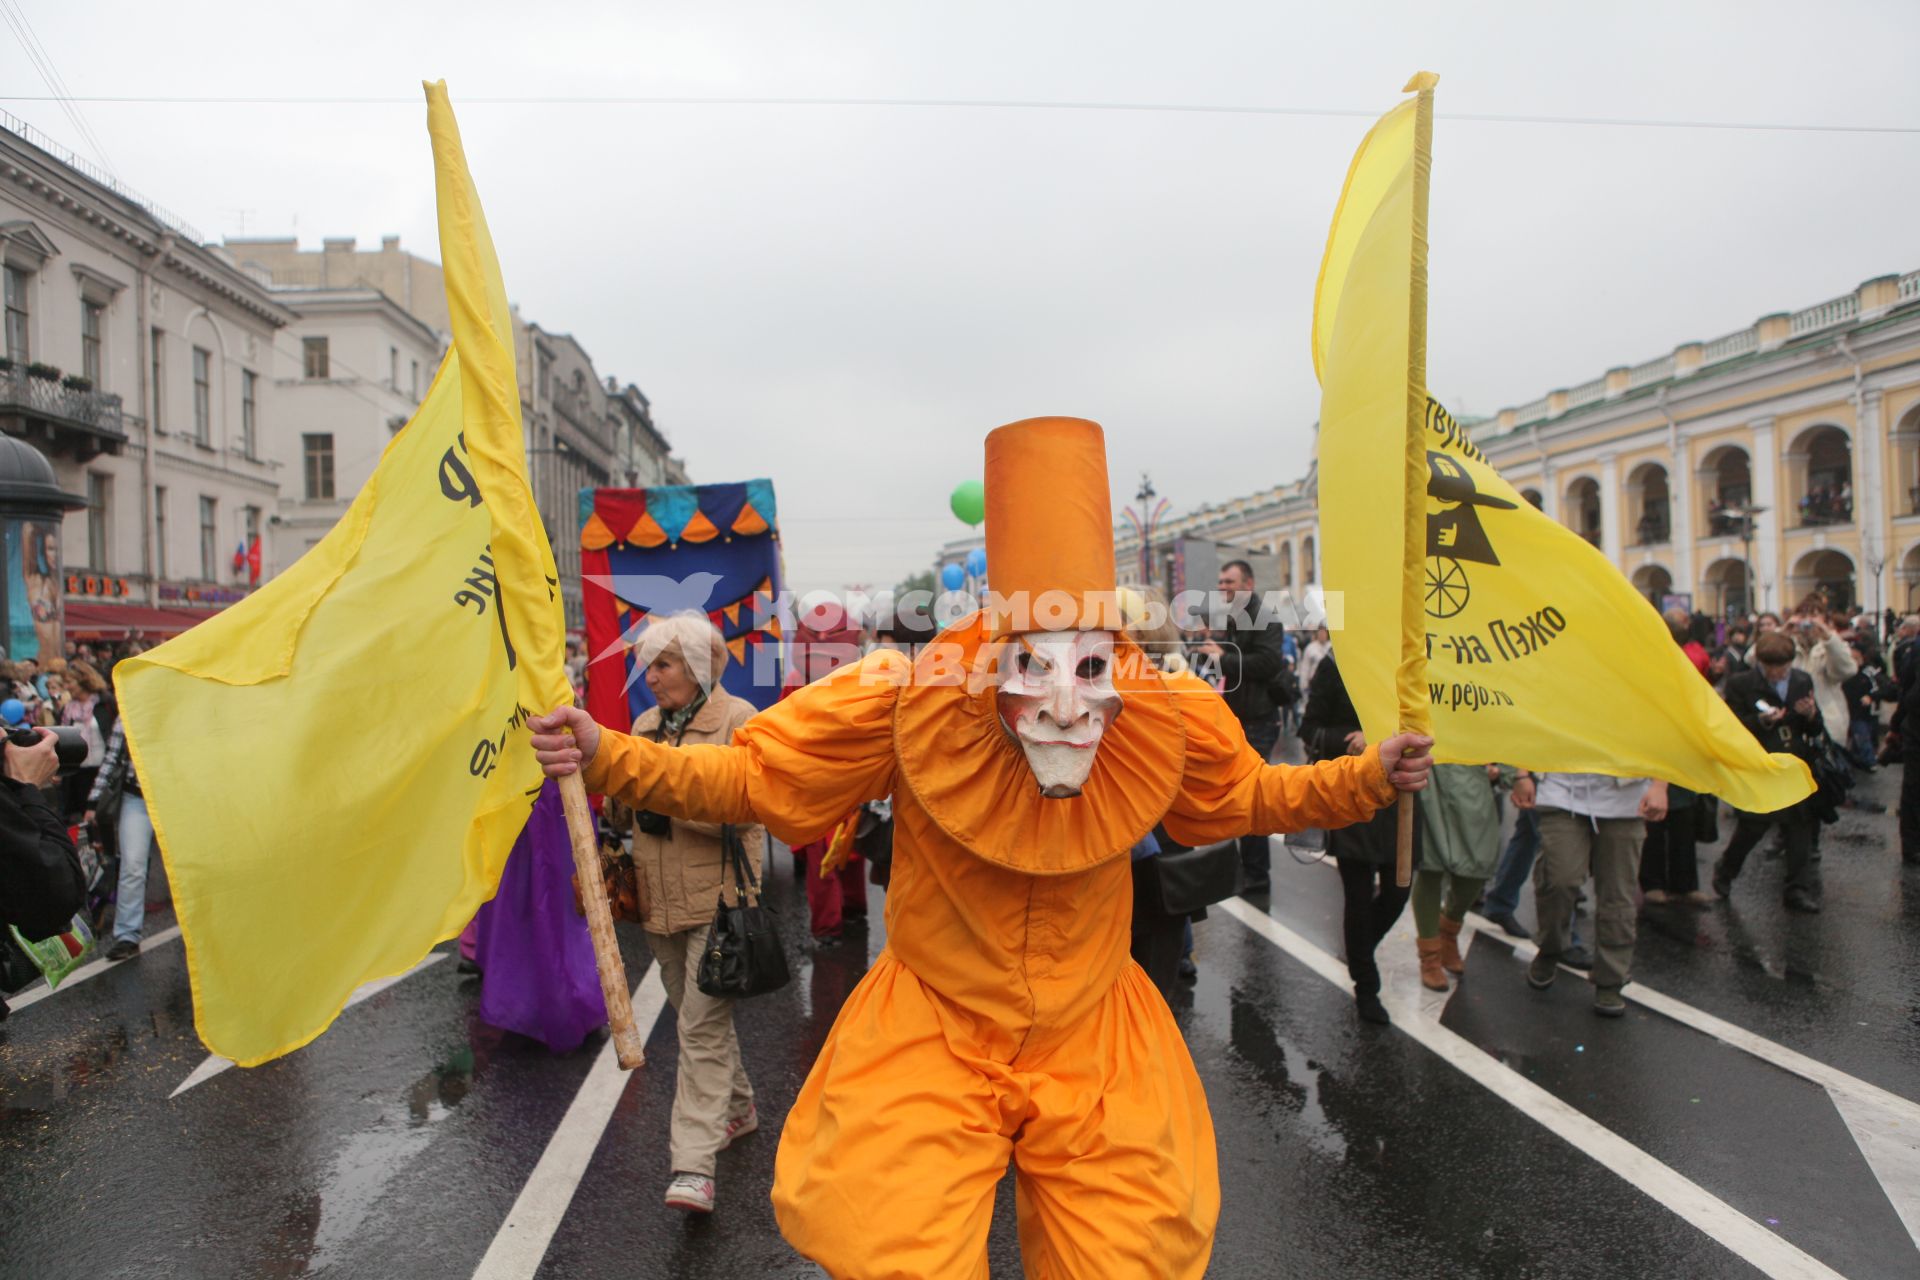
(1906, 724)
(41, 884)
(1249, 655)
(1774, 699)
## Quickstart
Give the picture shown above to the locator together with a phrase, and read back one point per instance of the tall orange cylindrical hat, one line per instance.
(1049, 528)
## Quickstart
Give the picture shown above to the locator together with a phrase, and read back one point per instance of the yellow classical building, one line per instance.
(1785, 455)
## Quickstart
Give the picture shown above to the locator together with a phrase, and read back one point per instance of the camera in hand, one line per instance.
(68, 745)
(654, 824)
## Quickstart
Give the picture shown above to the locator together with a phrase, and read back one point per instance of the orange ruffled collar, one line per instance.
(972, 779)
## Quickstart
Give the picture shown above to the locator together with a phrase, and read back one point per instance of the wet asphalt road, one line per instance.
(397, 1144)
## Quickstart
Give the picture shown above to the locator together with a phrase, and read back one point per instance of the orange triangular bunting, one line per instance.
(595, 535)
(749, 521)
(738, 648)
(646, 532)
(773, 628)
(733, 613)
(699, 529)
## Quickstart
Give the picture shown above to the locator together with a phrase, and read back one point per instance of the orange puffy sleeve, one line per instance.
(796, 768)
(1227, 790)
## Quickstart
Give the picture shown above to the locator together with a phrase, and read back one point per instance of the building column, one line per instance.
(1680, 517)
(1769, 588)
(1870, 499)
(1549, 491)
(1610, 508)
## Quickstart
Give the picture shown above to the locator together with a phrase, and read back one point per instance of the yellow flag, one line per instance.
(1519, 639)
(1369, 350)
(338, 766)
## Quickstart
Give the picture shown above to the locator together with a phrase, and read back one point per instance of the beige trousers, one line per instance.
(711, 1087)
(1572, 846)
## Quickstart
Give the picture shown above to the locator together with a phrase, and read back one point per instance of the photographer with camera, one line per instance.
(41, 884)
(1777, 700)
(117, 804)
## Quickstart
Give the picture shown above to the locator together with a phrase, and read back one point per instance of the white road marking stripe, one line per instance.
(1835, 1080)
(1770, 1253)
(1891, 1147)
(215, 1064)
(1885, 1126)
(521, 1243)
(92, 968)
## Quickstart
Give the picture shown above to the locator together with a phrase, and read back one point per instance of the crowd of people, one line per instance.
(98, 802)
(1836, 687)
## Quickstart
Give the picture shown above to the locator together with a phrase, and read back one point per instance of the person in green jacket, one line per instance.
(1462, 845)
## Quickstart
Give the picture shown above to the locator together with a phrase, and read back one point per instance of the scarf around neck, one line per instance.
(675, 722)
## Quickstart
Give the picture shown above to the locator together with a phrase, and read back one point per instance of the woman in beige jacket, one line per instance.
(683, 872)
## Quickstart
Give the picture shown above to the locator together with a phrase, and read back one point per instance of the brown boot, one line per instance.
(1432, 976)
(1449, 945)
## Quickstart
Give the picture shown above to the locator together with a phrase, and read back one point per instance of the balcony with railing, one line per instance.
(1642, 375)
(1587, 393)
(67, 415)
(1733, 344)
(1840, 310)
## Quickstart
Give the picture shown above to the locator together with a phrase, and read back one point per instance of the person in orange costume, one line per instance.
(1027, 751)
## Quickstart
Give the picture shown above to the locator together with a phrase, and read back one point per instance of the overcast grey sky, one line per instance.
(847, 299)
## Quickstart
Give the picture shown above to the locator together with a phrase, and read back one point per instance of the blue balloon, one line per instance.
(952, 577)
(13, 712)
(977, 562)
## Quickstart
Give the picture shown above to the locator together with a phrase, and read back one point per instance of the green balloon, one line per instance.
(969, 501)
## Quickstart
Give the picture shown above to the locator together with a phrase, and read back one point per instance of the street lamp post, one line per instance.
(1145, 517)
(1747, 511)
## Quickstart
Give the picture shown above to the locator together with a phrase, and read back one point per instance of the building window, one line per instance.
(393, 369)
(319, 456)
(314, 351)
(202, 395)
(416, 381)
(249, 382)
(99, 494)
(18, 349)
(159, 383)
(209, 539)
(160, 531)
(92, 321)
(544, 365)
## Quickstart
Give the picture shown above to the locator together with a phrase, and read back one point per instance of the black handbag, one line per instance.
(1832, 775)
(743, 955)
(873, 840)
(1193, 879)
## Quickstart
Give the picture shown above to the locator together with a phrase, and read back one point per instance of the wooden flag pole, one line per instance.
(606, 948)
(1403, 842)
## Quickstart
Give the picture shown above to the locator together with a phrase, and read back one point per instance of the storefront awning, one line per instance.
(122, 621)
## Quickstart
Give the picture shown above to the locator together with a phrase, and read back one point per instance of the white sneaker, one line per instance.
(741, 1126)
(690, 1191)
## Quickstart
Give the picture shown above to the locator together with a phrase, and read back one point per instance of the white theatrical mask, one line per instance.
(1056, 697)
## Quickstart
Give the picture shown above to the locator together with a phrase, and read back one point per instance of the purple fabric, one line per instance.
(536, 959)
